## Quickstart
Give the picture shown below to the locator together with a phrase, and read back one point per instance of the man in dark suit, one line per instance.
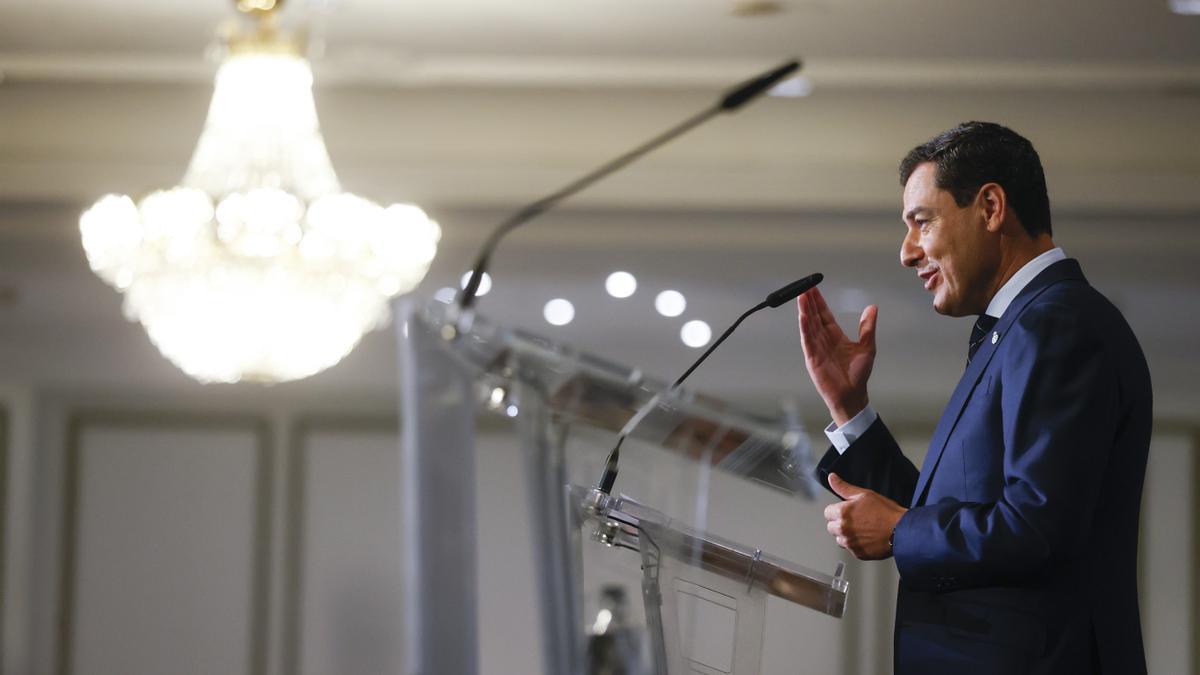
(1016, 543)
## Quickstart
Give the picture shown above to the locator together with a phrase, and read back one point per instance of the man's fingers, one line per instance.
(813, 338)
(834, 527)
(842, 488)
(822, 309)
(843, 542)
(819, 306)
(810, 316)
(866, 326)
(817, 335)
(833, 512)
(804, 319)
(804, 301)
(817, 310)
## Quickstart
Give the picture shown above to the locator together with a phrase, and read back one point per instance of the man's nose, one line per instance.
(910, 252)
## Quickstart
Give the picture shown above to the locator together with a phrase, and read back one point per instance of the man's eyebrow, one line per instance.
(920, 209)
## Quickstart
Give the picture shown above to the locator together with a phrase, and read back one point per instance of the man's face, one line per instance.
(949, 246)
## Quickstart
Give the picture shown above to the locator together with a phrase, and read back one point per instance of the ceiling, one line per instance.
(472, 107)
(1071, 30)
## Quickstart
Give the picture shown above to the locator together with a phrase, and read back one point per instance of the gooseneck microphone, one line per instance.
(729, 102)
(775, 299)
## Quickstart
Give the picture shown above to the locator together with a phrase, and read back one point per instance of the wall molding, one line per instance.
(80, 421)
(4, 491)
(298, 433)
(1195, 549)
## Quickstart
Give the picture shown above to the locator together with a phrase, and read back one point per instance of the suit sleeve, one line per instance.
(1059, 411)
(873, 461)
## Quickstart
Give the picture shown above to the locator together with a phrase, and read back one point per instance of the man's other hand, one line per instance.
(838, 366)
(863, 524)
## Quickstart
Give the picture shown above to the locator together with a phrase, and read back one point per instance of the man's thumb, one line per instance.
(842, 488)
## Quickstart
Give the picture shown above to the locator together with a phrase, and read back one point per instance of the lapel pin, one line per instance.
(995, 337)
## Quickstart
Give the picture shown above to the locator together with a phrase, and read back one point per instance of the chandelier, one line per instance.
(257, 266)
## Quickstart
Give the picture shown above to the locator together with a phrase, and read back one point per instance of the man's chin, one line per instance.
(945, 307)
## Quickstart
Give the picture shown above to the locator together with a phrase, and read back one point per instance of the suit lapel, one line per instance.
(1059, 271)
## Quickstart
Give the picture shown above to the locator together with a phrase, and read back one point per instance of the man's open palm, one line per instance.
(838, 366)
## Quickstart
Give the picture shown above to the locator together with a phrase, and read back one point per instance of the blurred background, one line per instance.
(155, 524)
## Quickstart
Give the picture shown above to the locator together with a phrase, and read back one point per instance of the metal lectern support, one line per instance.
(705, 596)
(554, 535)
(438, 491)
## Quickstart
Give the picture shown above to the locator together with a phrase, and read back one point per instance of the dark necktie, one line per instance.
(983, 326)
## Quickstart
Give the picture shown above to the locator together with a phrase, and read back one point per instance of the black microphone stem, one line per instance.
(684, 376)
(610, 465)
(775, 299)
(468, 295)
(729, 102)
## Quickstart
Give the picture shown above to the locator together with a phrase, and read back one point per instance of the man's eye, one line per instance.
(921, 222)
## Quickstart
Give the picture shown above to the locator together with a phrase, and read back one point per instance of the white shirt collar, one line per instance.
(1017, 283)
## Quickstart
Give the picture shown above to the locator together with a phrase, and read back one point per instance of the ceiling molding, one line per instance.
(821, 187)
(381, 68)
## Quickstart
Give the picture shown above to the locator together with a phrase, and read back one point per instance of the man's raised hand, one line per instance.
(838, 366)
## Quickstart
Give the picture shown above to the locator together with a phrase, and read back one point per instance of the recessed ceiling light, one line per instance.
(559, 312)
(485, 284)
(670, 303)
(793, 87)
(1185, 6)
(695, 333)
(620, 284)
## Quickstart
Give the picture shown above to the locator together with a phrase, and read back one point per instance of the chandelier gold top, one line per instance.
(257, 7)
(265, 36)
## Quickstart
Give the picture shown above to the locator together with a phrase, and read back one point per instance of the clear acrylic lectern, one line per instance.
(703, 597)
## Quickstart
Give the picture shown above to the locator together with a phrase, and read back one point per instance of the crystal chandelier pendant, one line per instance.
(257, 266)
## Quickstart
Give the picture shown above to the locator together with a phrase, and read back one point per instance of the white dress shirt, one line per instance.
(841, 437)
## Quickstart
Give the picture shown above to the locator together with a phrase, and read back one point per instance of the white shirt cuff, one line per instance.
(843, 436)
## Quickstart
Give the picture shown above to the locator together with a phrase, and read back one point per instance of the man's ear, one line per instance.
(993, 206)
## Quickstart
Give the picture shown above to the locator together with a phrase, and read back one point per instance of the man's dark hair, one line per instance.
(974, 153)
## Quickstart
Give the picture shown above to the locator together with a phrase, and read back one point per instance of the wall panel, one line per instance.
(4, 442)
(345, 549)
(1167, 560)
(164, 545)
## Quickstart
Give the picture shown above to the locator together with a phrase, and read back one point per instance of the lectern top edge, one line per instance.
(600, 393)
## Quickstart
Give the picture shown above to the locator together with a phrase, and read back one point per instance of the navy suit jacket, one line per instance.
(1019, 552)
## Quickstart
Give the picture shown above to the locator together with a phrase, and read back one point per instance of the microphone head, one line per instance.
(743, 93)
(793, 290)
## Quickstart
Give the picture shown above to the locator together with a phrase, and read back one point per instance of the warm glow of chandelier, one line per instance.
(257, 266)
